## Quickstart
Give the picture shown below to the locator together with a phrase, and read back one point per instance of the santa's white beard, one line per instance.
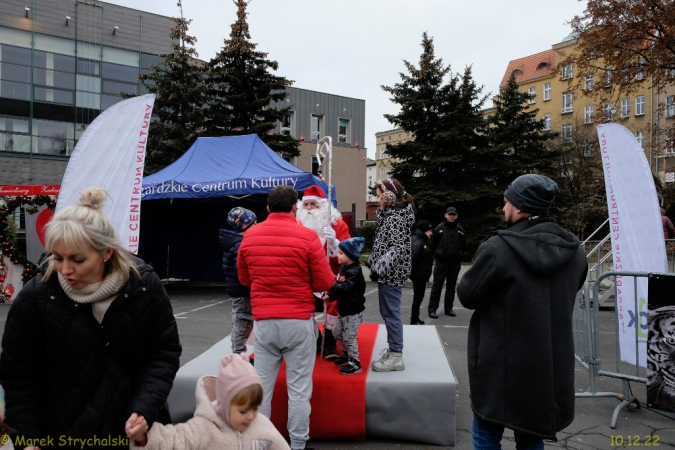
(314, 219)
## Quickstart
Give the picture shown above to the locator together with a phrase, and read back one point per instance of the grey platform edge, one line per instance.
(417, 404)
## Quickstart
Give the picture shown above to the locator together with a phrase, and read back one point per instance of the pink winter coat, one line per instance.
(284, 263)
(206, 430)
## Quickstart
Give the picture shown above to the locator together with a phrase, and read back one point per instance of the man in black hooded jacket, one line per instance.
(523, 286)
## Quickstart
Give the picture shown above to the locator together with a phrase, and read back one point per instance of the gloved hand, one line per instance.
(332, 241)
(374, 276)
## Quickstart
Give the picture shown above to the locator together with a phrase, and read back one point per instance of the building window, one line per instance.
(50, 78)
(670, 106)
(588, 114)
(608, 77)
(589, 82)
(343, 131)
(53, 138)
(567, 102)
(640, 105)
(14, 135)
(317, 122)
(669, 142)
(547, 122)
(14, 72)
(542, 66)
(286, 123)
(382, 174)
(114, 87)
(108, 100)
(547, 91)
(567, 132)
(567, 72)
(625, 108)
(383, 152)
(567, 159)
(17, 91)
(533, 95)
(88, 67)
(315, 166)
(640, 138)
(640, 75)
(120, 73)
(48, 95)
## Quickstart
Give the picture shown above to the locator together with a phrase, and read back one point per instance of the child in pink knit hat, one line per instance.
(230, 402)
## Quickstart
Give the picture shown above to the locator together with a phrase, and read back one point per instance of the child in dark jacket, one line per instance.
(240, 219)
(349, 291)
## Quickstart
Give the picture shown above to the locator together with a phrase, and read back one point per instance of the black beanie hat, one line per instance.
(532, 193)
(424, 226)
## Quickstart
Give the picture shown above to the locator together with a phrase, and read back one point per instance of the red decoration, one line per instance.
(42, 220)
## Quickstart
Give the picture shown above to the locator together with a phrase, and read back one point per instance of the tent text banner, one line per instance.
(218, 189)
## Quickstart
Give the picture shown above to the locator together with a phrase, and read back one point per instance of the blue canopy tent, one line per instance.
(187, 202)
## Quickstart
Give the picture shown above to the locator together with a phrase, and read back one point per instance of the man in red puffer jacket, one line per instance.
(284, 263)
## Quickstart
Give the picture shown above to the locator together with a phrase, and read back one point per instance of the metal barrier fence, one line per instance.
(587, 343)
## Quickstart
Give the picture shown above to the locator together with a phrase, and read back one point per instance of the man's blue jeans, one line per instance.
(488, 436)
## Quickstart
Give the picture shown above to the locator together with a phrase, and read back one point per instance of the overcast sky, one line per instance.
(352, 47)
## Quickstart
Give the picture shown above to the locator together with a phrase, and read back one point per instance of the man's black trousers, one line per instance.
(444, 271)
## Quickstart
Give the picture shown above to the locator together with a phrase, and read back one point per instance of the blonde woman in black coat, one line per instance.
(90, 347)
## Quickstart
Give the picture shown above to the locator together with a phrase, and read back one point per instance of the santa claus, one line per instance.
(313, 212)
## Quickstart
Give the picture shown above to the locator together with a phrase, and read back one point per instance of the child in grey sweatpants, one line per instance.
(349, 291)
(240, 219)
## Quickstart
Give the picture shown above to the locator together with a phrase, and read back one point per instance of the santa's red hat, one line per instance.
(313, 193)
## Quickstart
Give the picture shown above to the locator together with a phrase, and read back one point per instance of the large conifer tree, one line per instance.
(518, 141)
(444, 164)
(179, 85)
(242, 88)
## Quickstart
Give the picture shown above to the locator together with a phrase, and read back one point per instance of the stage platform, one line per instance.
(417, 404)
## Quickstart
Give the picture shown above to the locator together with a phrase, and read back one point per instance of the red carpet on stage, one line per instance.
(338, 401)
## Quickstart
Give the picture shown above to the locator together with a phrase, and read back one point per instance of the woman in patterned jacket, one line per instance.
(390, 265)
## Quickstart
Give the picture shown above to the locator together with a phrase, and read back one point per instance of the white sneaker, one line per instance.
(383, 355)
(392, 362)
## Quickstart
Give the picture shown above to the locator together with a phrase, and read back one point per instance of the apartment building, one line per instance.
(569, 110)
(383, 158)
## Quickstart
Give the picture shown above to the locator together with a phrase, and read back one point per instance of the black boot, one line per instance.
(329, 347)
